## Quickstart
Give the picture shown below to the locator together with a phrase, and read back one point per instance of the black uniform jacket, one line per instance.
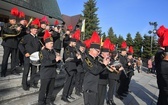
(93, 69)
(113, 75)
(29, 44)
(103, 76)
(48, 64)
(11, 42)
(70, 54)
(56, 39)
(124, 62)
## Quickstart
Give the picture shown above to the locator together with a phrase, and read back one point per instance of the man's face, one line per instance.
(33, 31)
(82, 49)
(12, 21)
(23, 22)
(43, 26)
(49, 45)
(130, 57)
(95, 52)
(123, 53)
(106, 54)
(74, 44)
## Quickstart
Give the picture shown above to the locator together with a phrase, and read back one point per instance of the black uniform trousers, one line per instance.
(90, 98)
(127, 81)
(46, 90)
(27, 66)
(79, 82)
(112, 88)
(102, 90)
(121, 84)
(69, 84)
(7, 52)
(19, 58)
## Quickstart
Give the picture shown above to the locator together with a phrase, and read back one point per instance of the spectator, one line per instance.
(149, 65)
(139, 65)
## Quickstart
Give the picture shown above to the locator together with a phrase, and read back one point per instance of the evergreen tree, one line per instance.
(91, 19)
(137, 45)
(119, 41)
(146, 47)
(104, 36)
(112, 36)
(129, 40)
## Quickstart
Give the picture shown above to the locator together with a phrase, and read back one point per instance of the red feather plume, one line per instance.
(56, 22)
(21, 14)
(36, 22)
(14, 11)
(87, 43)
(107, 43)
(76, 35)
(70, 27)
(112, 47)
(44, 19)
(160, 31)
(124, 44)
(165, 38)
(131, 50)
(95, 38)
(46, 35)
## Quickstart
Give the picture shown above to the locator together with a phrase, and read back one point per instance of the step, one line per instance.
(18, 92)
(12, 81)
(6, 82)
(32, 99)
(13, 93)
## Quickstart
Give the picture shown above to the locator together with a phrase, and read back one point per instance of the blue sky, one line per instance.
(124, 16)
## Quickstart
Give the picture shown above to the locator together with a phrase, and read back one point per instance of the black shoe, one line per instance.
(78, 94)
(65, 100)
(26, 88)
(34, 86)
(109, 102)
(119, 97)
(123, 95)
(112, 102)
(3, 75)
(70, 97)
(15, 73)
(51, 103)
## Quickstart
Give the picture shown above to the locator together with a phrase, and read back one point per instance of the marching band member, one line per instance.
(10, 43)
(80, 69)
(123, 75)
(130, 71)
(70, 59)
(41, 30)
(158, 58)
(67, 37)
(28, 45)
(113, 77)
(48, 60)
(56, 36)
(103, 76)
(93, 68)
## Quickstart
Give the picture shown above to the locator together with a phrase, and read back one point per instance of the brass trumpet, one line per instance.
(31, 19)
(100, 59)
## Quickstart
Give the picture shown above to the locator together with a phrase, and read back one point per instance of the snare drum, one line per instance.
(34, 58)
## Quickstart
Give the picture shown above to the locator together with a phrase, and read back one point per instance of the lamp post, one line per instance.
(152, 32)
